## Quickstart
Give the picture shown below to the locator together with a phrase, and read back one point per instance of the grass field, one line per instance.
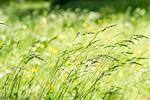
(74, 53)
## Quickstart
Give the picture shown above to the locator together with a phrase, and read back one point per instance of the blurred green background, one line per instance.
(27, 26)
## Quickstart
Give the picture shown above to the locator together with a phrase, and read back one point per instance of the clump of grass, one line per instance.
(81, 71)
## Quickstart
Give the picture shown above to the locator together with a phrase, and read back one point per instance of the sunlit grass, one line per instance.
(75, 55)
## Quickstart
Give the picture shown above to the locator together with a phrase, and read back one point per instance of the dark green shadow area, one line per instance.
(99, 5)
(44, 7)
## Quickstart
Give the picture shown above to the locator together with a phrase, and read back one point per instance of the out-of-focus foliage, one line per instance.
(134, 3)
(86, 50)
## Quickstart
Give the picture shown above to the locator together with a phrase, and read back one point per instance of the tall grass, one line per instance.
(83, 70)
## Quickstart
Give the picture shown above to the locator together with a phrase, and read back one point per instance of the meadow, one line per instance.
(74, 53)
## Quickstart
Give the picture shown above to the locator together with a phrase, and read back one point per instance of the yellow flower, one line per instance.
(88, 27)
(53, 50)
(109, 38)
(51, 65)
(137, 51)
(28, 76)
(35, 69)
(65, 75)
(148, 48)
(120, 74)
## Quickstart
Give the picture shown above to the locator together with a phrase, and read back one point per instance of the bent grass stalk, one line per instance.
(85, 66)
